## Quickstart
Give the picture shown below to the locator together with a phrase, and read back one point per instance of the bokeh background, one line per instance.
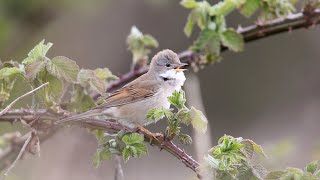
(269, 93)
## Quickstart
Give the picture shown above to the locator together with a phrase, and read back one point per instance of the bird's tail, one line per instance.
(81, 116)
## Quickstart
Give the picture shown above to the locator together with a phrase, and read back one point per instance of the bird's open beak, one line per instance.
(179, 67)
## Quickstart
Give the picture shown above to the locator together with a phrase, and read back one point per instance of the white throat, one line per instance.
(174, 78)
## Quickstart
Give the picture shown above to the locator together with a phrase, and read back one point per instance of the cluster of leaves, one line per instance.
(140, 44)
(230, 159)
(211, 19)
(123, 144)
(182, 115)
(63, 75)
(310, 172)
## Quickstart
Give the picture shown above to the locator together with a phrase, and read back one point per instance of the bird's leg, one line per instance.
(153, 135)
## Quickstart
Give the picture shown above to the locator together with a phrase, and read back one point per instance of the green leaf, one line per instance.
(126, 153)
(190, 4)
(104, 74)
(188, 28)
(259, 149)
(100, 136)
(150, 41)
(100, 155)
(185, 139)
(80, 101)
(132, 138)
(206, 36)
(312, 167)
(38, 52)
(177, 99)
(233, 40)
(63, 68)
(140, 148)
(275, 175)
(9, 71)
(32, 69)
(156, 114)
(250, 7)
(89, 78)
(214, 163)
(198, 120)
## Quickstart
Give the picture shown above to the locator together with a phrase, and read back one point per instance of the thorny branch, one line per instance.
(109, 126)
(306, 19)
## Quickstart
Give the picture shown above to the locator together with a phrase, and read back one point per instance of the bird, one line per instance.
(130, 104)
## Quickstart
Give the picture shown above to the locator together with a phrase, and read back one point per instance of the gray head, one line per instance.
(166, 60)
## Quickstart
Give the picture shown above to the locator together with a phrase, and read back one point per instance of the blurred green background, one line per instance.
(269, 93)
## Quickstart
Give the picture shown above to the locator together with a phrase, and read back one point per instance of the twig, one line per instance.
(250, 33)
(18, 157)
(24, 95)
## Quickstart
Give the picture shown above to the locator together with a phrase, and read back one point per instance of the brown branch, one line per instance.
(110, 126)
(250, 33)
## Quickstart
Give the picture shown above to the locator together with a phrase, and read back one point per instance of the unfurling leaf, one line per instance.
(126, 153)
(178, 99)
(188, 27)
(189, 4)
(9, 71)
(63, 68)
(89, 79)
(233, 40)
(185, 139)
(250, 7)
(312, 167)
(38, 52)
(132, 138)
(104, 74)
(198, 120)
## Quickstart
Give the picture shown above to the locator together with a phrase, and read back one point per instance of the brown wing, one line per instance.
(133, 92)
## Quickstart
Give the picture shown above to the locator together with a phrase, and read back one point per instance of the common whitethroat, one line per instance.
(130, 104)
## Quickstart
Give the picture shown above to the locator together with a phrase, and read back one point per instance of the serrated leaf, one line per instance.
(9, 71)
(126, 154)
(80, 101)
(233, 40)
(150, 41)
(198, 120)
(188, 27)
(177, 99)
(250, 7)
(63, 68)
(132, 138)
(205, 37)
(312, 167)
(88, 78)
(189, 4)
(259, 149)
(185, 139)
(32, 69)
(140, 148)
(275, 175)
(156, 114)
(39, 51)
(104, 74)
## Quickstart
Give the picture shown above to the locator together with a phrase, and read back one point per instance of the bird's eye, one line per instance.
(168, 65)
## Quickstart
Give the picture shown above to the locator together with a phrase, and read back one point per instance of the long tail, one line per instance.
(81, 116)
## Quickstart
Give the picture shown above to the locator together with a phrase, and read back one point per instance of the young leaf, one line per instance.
(198, 120)
(185, 139)
(140, 149)
(39, 51)
(250, 7)
(188, 27)
(63, 68)
(150, 41)
(275, 175)
(132, 138)
(104, 74)
(126, 153)
(9, 71)
(312, 167)
(189, 4)
(156, 114)
(233, 40)
(80, 100)
(100, 155)
(89, 78)
(32, 69)
(259, 149)
(177, 99)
